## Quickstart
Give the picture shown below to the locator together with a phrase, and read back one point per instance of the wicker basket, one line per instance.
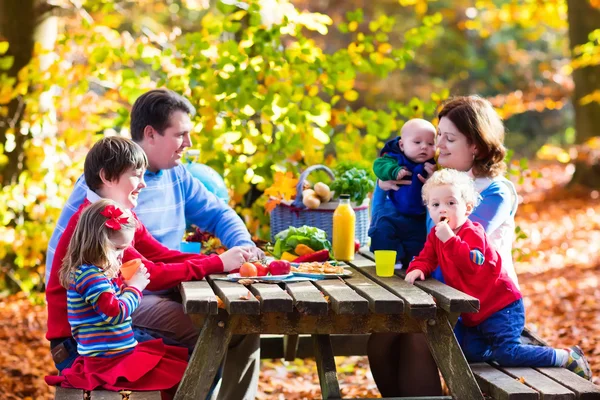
(296, 214)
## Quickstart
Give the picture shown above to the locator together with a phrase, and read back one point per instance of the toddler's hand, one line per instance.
(443, 231)
(402, 173)
(413, 275)
(234, 258)
(391, 185)
(255, 252)
(140, 279)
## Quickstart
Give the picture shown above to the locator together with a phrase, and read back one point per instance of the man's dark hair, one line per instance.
(114, 155)
(154, 108)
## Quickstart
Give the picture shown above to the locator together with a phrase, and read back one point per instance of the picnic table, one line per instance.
(359, 304)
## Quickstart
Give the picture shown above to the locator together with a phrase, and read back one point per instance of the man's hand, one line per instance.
(402, 173)
(413, 275)
(391, 185)
(443, 231)
(430, 169)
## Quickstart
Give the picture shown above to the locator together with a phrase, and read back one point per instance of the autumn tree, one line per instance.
(584, 20)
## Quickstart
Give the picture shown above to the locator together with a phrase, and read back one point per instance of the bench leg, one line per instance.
(330, 388)
(450, 359)
(206, 358)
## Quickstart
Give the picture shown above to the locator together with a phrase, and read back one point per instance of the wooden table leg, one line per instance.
(330, 388)
(206, 358)
(450, 359)
(290, 347)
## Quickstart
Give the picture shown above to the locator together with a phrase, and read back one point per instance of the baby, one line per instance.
(402, 227)
(470, 264)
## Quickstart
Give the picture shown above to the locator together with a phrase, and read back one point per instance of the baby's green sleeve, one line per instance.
(386, 168)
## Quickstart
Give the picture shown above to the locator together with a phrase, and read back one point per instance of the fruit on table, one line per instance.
(279, 267)
(261, 269)
(323, 191)
(129, 268)
(303, 249)
(288, 256)
(248, 269)
(356, 246)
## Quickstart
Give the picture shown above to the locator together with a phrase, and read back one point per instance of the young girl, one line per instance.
(472, 265)
(100, 307)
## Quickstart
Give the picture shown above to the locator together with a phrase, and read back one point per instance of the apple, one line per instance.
(279, 267)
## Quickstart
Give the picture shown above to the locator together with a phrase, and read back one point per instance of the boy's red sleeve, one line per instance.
(175, 267)
(467, 250)
(154, 250)
(427, 260)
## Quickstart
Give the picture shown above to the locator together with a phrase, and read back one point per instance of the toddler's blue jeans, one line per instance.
(498, 338)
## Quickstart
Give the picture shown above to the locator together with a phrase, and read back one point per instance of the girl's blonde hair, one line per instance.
(476, 118)
(452, 177)
(91, 241)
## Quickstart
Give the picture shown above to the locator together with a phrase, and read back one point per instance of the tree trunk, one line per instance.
(583, 19)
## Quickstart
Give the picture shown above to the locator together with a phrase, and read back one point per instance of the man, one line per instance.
(161, 125)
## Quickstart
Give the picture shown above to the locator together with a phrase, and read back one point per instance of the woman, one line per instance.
(470, 138)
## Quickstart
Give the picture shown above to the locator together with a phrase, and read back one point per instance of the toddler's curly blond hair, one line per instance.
(452, 177)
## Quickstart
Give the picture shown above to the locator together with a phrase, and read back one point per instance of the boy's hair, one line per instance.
(475, 118)
(91, 240)
(154, 108)
(452, 177)
(114, 155)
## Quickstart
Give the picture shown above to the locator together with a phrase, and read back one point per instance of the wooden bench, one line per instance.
(77, 394)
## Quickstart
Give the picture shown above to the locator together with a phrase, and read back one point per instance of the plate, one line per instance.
(322, 276)
(237, 277)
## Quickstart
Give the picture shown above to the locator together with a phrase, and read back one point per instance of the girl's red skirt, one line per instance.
(151, 365)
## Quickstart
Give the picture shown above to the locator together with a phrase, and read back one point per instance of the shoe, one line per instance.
(577, 363)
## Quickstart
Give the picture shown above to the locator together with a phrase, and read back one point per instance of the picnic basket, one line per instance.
(296, 214)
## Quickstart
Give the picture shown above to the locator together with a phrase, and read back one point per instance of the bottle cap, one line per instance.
(344, 197)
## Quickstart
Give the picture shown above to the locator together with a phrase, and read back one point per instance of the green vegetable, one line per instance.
(357, 182)
(287, 240)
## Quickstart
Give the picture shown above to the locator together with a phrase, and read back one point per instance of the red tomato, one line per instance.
(261, 269)
(279, 267)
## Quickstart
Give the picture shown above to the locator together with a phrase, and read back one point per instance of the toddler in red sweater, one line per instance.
(472, 265)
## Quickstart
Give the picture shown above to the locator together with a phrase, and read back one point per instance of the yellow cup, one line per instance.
(385, 260)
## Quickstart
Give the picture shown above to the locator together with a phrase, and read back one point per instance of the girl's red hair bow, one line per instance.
(114, 217)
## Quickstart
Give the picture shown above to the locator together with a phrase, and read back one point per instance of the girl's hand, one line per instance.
(413, 275)
(235, 257)
(443, 231)
(430, 169)
(391, 185)
(140, 279)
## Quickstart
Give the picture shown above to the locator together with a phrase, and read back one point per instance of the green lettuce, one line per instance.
(310, 236)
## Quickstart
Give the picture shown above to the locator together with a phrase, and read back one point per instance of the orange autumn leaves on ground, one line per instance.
(559, 280)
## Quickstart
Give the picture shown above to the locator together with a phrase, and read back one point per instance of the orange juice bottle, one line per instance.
(344, 221)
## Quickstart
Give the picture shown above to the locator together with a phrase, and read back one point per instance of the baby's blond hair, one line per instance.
(452, 177)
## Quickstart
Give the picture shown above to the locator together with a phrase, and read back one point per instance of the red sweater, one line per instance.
(167, 269)
(472, 265)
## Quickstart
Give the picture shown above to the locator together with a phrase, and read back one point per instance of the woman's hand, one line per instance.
(140, 279)
(443, 231)
(430, 169)
(391, 185)
(413, 275)
(234, 258)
